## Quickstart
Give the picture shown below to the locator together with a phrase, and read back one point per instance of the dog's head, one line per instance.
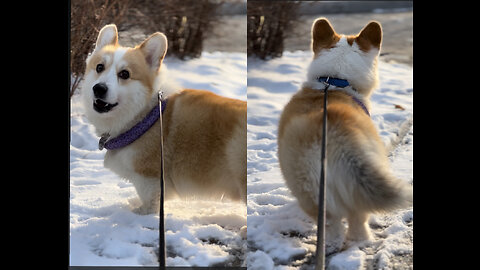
(352, 58)
(120, 81)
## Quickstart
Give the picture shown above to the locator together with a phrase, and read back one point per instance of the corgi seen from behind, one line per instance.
(359, 180)
(204, 135)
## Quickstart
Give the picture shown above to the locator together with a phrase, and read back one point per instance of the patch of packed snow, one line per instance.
(104, 230)
(280, 235)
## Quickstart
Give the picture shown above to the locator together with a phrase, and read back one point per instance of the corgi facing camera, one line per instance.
(204, 134)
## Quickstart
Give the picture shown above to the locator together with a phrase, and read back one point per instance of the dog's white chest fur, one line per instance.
(120, 162)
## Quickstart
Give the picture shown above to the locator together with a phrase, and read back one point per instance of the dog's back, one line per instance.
(358, 175)
(206, 144)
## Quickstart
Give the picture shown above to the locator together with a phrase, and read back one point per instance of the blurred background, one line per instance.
(191, 26)
(277, 26)
(262, 29)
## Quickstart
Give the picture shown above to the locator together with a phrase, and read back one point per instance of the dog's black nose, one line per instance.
(99, 90)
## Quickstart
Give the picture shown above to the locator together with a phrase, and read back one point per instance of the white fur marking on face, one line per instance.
(109, 76)
(118, 55)
(112, 77)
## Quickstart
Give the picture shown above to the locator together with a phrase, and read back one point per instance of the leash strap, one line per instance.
(320, 253)
(162, 252)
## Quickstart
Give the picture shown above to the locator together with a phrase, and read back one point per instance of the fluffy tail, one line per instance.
(371, 186)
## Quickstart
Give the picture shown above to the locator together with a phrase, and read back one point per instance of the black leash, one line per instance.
(320, 253)
(162, 251)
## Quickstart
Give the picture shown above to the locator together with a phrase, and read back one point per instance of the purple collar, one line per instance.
(134, 133)
(342, 84)
(360, 103)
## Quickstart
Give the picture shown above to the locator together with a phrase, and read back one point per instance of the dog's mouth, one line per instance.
(102, 106)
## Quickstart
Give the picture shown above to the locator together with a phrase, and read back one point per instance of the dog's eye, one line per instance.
(100, 68)
(124, 74)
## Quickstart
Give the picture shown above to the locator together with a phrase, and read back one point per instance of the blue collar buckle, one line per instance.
(334, 81)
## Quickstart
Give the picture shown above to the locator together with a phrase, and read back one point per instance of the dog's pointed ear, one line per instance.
(323, 35)
(371, 34)
(154, 49)
(108, 35)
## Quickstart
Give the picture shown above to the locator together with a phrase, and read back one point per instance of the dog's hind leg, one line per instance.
(334, 233)
(358, 229)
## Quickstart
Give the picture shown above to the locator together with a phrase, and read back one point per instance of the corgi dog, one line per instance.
(359, 181)
(204, 135)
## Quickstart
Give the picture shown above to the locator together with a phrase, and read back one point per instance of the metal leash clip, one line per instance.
(103, 140)
(160, 95)
(326, 82)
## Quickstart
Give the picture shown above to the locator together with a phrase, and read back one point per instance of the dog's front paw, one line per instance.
(143, 210)
(140, 208)
(243, 232)
(334, 243)
(359, 234)
(333, 247)
(334, 236)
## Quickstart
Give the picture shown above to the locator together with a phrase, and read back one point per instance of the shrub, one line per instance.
(87, 18)
(185, 23)
(267, 25)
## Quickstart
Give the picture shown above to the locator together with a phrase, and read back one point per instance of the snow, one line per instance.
(104, 231)
(280, 235)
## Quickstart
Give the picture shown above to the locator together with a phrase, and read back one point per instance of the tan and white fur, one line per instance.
(359, 179)
(204, 134)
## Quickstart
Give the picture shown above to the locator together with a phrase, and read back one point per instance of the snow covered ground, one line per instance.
(280, 235)
(104, 231)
